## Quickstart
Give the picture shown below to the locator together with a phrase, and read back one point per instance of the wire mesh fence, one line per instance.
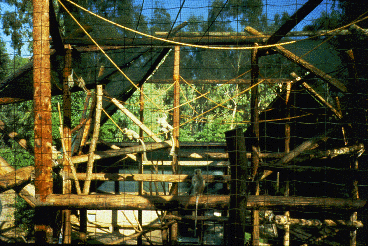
(267, 99)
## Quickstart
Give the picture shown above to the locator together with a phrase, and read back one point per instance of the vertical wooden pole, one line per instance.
(83, 225)
(140, 168)
(87, 183)
(235, 142)
(67, 185)
(92, 147)
(42, 121)
(354, 216)
(287, 150)
(255, 143)
(114, 212)
(176, 125)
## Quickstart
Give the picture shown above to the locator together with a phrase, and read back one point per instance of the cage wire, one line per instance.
(266, 98)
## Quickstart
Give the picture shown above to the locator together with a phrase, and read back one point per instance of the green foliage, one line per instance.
(24, 217)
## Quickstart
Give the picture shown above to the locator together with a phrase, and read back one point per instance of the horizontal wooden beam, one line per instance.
(146, 202)
(219, 81)
(152, 177)
(119, 152)
(188, 163)
(228, 40)
(16, 178)
(264, 36)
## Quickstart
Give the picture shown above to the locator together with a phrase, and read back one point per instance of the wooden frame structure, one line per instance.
(237, 153)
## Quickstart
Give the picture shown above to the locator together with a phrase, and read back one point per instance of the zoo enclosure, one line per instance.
(257, 140)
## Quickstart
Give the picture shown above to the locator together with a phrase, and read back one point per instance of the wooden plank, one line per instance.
(303, 63)
(129, 150)
(146, 202)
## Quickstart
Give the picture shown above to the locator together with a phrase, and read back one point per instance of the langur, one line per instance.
(167, 128)
(132, 135)
(198, 184)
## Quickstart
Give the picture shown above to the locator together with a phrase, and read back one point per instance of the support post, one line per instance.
(92, 147)
(176, 125)
(287, 150)
(255, 141)
(140, 168)
(238, 197)
(67, 136)
(42, 112)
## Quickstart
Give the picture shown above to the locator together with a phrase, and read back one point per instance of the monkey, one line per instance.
(132, 135)
(198, 184)
(165, 127)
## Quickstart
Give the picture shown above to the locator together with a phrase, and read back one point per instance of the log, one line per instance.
(152, 177)
(129, 150)
(7, 133)
(66, 137)
(355, 28)
(303, 63)
(220, 81)
(16, 178)
(188, 163)
(318, 96)
(264, 36)
(306, 145)
(293, 20)
(92, 147)
(136, 120)
(28, 192)
(146, 202)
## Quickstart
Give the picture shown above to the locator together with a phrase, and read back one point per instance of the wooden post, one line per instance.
(238, 197)
(176, 125)
(287, 150)
(255, 141)
(354, 216)
(67, 136)
(140, 168)
(92, 147)
(42, 122)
